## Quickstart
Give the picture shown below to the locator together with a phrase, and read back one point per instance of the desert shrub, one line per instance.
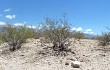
(96, 37)
(15, 36)
(1, 34)
(57, 32)
(1, 40)
(78, 35)
(38, 34)
(104, 39)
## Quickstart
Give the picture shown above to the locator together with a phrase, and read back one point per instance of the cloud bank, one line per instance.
(76, 29)
(89, 31)
(10, 16)
(2, 23)
(18, 24)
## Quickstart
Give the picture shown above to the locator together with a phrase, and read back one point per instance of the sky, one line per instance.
(88, 16)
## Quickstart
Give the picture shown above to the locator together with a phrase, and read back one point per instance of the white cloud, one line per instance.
(10, 16)
(6, 10)
(33, 27)
(18, 24)
(77, 29)
(73, 29)
(23, 24)
(2, 23)
(89, 31)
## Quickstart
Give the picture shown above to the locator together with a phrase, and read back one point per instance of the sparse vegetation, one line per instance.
(1, 40)
(52, 39)
(78, 35)
(57, 32)
(104, 39)
(1, 35)
(15, 36)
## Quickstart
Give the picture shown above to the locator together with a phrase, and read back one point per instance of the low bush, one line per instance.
(104, 39)
(78, 35)
(15, 36)
(57, 32)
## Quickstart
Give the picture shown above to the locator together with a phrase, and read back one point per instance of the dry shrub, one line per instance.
(104, 39)
(78, 35)
(15, 36)
(57, 32)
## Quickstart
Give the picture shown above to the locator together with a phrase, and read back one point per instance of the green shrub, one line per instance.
(104, 39)
(15, 36)
(78, 35)
(57, 32)
(1, 40)
(38, 34)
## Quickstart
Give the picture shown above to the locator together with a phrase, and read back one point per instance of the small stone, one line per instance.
(75, 64)
(67, 63)
(60, 61)
(81, 60)
(22, 55)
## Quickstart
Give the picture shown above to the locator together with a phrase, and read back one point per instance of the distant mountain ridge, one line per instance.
(90, 35)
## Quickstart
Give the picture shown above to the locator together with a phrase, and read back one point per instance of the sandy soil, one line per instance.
(30, 57)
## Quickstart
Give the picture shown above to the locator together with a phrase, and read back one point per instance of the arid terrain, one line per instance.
(33, 56)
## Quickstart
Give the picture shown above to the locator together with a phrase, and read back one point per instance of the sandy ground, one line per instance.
(91, 56)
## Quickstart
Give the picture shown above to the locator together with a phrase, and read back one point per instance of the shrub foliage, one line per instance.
(78, 35)
(15, 36)
(104, 39)
(57, 32)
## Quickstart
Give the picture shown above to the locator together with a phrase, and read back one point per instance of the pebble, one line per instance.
(75, 64)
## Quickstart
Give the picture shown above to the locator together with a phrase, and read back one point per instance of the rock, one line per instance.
(67, 63)
(75, 64)
(81, 60)
(60, 61)
(73, 59)
(21, 55)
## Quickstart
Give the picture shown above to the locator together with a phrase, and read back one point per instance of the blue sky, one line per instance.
(89, 16)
